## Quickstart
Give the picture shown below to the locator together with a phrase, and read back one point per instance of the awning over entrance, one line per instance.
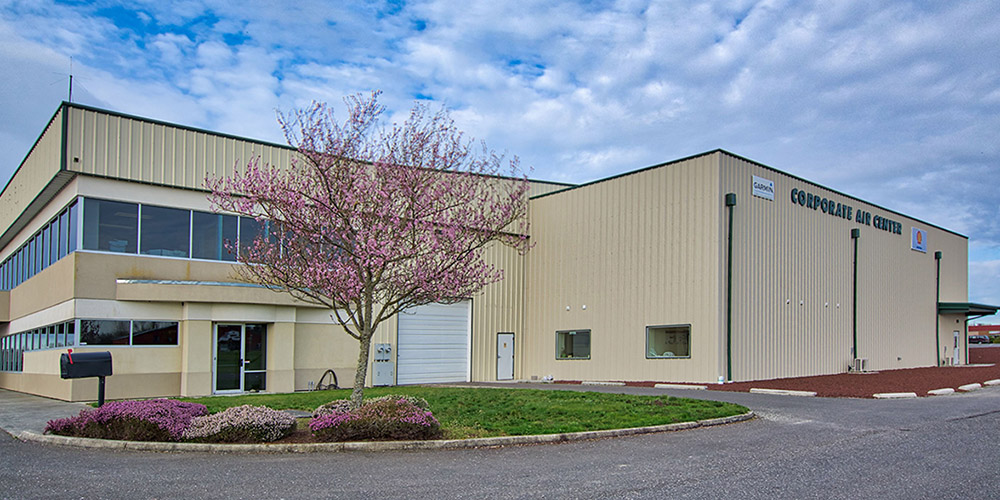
(967, 308)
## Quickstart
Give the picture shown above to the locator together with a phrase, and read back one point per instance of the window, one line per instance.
(573, 344)
(111, 226)
(52, 237)
(672, 341)
(137, 333)
(165, 231)
(71, 217)
(70, 337)
(250, 230)
(104, 332)
(30, 259)
(210, 233)
(154, 333)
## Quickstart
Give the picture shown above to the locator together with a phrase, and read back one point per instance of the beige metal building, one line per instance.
(108, 243)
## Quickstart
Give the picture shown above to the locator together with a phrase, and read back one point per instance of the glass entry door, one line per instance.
(240, 357)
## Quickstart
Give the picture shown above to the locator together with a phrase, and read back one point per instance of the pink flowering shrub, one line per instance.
(344, 405)
(241, 424)
(381, 420)
(417, 401)
(146, 420)
(335, 406)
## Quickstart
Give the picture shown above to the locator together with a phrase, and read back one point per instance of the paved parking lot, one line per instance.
(797, 448)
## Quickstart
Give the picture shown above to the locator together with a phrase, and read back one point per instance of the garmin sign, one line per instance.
(763, 188)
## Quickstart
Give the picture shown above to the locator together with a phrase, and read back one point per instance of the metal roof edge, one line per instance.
(855, 198)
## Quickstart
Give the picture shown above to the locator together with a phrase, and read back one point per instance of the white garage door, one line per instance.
(433, 344)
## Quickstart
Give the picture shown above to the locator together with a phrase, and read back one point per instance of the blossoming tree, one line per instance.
(371, 219)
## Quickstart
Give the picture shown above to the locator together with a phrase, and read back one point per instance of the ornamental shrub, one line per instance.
(414, 400)
(337, 405)
(377, 420)
(145, 420)
(241, 424)
(344, 405)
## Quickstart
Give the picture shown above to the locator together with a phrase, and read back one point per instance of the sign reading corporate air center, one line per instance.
(836, 209)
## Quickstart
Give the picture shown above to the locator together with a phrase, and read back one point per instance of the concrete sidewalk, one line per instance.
(26, 412)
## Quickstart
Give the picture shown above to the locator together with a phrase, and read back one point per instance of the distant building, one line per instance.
(706, 268)
(991, 330)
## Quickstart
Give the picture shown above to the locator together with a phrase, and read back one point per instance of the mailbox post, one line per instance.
(86, 365)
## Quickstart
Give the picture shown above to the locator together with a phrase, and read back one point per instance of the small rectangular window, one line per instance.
(63, 243)
(70, 223)
(154, 333)
(573, 344)
(36, 251)
(670, 341)
(20, 266)
(30, 260)
(53, 239)
(104, 332)
(44, 251)
(70, 337)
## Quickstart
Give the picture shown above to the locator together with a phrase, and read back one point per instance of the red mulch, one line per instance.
(863, 385)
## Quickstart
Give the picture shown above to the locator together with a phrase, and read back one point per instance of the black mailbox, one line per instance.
(85, 364)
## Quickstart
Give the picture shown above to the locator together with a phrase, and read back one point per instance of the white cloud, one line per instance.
(897, 103)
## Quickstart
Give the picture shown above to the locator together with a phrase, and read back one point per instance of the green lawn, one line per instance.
(487, 412)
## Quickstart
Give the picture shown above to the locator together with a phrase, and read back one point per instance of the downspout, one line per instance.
(855, 235)
(937, 314)
(730, 203)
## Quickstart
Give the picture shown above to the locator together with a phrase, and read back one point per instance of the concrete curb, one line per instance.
(995, 381)
(783, 392)
(941, 392)
(375, 445)
(685, 386)
(894, 395)
(970, 387)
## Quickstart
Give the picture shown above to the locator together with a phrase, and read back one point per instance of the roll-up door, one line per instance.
(433, 344)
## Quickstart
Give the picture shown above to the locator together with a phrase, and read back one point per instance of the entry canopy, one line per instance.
(967, 308)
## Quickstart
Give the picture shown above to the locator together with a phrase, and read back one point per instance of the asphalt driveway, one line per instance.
(942, 447)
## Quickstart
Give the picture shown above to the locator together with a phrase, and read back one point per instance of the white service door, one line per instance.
(433, 344)
(505, 356)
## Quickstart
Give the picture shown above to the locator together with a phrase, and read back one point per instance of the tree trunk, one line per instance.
(358, 393)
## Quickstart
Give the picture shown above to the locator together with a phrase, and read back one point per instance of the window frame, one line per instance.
(589, 333)
(677, 326)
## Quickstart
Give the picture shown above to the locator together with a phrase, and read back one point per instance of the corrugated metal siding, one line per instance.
(129, 148)
(40, 166)
(132, 149)
(639, 250)
(498, 308)
(792, 283)
(542, 187)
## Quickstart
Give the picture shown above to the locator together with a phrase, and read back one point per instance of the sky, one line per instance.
(897, 103)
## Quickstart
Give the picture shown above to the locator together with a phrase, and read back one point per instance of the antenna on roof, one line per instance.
(70, 78)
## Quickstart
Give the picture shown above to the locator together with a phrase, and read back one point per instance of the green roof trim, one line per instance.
(966, 308)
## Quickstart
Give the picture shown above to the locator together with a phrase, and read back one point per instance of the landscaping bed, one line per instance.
(411, 413)
(865, 385)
